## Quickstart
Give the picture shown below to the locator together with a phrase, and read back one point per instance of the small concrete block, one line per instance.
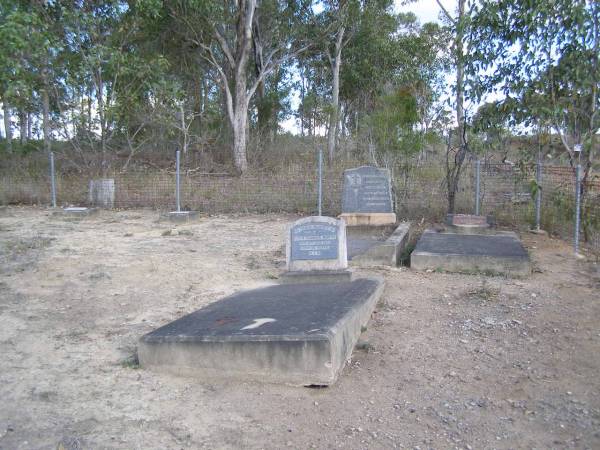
(368, 219)
(181, 216)
(539, 232)
(385, 253)
(317, 276)
(75, 211)
(494, 253)
(467, 220)
(299, 334)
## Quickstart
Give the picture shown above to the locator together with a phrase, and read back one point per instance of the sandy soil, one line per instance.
(448, 361)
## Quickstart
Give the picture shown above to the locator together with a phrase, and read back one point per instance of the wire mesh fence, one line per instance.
(506, 192)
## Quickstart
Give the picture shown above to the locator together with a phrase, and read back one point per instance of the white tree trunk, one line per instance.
(335, 96)
(7, 127)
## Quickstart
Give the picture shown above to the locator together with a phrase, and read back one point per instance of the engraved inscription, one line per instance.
(367, 190)
(314, 241)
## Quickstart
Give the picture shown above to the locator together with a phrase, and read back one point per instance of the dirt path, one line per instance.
(448, 361)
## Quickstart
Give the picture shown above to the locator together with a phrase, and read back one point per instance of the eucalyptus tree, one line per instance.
(223, 34)
(543, 56)
(30, 61)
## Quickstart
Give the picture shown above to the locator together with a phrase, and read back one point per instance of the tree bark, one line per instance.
(7, 127)
(23, 127)
(336, 62)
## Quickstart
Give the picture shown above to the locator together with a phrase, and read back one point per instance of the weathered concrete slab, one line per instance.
(75, 212)
(299, 334)
(180, 216)
(369, 246)
(494, 253)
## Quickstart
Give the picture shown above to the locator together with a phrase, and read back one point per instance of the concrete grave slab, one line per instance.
(494, 253)
(180, 216)
(367, 197)
(299, 334)
(75, 212)
(371, 246)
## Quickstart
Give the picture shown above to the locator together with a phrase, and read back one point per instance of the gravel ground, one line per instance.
(447, 361)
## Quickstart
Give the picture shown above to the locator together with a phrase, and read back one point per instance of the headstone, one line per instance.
(367, 190)
(102, 193)
(367, 197)
(316, 244)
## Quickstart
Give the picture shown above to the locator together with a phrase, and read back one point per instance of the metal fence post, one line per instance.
(52, 180)
(538, 195)
(177, 181)
(477, 181)
(577, 207)
(320, 185)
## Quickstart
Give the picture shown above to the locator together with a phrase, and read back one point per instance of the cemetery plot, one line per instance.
(510, 360)
(493, 253)
(367, 197)
(297, 334)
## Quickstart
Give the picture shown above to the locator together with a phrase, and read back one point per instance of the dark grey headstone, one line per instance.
(314, 240)
(316, 243)
(367, 190)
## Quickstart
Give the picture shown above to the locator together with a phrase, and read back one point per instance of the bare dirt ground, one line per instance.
(448, 361)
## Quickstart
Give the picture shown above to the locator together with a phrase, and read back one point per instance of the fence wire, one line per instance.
(506, 192)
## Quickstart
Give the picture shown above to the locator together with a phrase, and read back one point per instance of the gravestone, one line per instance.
(316, 250)
(367, 197)
(102, 193)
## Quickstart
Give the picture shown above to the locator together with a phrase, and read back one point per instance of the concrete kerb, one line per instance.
(386, 253)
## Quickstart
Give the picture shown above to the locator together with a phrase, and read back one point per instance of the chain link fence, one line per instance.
(506, 192)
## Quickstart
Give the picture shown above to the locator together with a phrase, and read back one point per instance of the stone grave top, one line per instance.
(316, 243)
(367, 190)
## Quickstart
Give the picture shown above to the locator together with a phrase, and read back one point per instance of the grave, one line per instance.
(492, 252)
(367, 197)
(298, 334)
(75, 212)
(374, 238)
(382, 246)
(180, 216)
(316, 251)
(102, 193)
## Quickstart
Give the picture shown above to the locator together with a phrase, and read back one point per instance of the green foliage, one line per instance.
(543, 56)
(393, 123)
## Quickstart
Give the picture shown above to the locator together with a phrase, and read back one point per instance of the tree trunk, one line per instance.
(23, 127)
(46, 119)
(238, 125)
(335, 96)
(29, 126)
(453, 171)
(7, 127)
